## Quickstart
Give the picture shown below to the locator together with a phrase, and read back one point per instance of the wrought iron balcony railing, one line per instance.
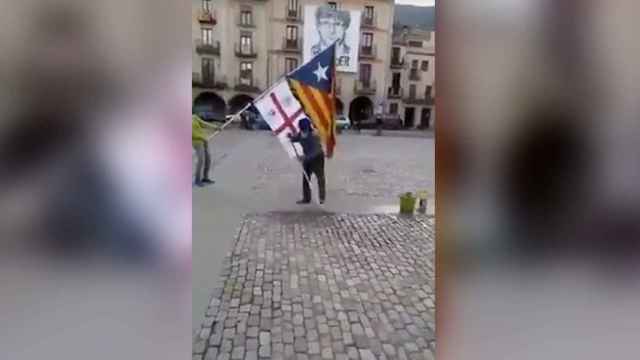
(208, 82)
(210, 48)
(246, 85)
(293, 45)
(245, 51)
(368, 21)
(367, 87)
(395, 92)
(368, 52)
(207, 17)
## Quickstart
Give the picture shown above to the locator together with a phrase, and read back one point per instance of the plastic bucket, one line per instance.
(407, 203)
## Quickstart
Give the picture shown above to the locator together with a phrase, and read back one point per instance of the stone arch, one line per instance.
(210, 106)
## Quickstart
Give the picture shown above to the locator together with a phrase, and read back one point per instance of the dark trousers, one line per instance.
(204, 161)
(314, 166)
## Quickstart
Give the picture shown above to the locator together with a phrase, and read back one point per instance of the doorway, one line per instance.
(409, 116)
(425, 119)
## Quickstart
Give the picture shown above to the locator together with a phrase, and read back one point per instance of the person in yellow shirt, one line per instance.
(200, 143)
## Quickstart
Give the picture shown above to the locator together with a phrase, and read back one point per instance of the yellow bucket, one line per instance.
(407, 203)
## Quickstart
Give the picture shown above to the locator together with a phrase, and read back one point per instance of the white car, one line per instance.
(343, 122)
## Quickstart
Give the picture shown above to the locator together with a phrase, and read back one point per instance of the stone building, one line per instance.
(241, 47)
(411, 89)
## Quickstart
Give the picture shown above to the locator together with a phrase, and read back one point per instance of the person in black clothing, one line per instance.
(312, 159)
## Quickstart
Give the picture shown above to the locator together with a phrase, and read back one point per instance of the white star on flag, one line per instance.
(321, 72)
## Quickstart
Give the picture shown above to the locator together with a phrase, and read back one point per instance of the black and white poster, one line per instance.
(323, 26)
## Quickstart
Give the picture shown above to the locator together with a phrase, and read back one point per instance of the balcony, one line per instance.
(247, 25)
(208, 82)
(207, 17)
(429, 99)
(415, 75)
(245, 52)
(368, 52)
(368, 22)
(246, 85)
(395, 92)
(397, 63)
(208, 48)
(291, 45)
(294, 15)
(414, 100)
(399, 40)
(364, 87)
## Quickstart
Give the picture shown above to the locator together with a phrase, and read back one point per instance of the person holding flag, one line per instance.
(313, 84)
(200, 143)
(300, 102)
(312, 160)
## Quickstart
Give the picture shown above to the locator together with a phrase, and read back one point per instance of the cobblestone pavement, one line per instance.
(324, 286)
(253, 175)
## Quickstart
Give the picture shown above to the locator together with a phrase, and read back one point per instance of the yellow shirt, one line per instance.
(198, 129)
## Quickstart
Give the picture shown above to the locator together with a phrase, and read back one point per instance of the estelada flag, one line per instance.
(313, 84)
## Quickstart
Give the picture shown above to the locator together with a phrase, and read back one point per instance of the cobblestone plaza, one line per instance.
(324, 286)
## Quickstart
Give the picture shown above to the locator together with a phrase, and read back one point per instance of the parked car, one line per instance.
(343, 122)
(252, 120)
(209, 116)
(389, 122)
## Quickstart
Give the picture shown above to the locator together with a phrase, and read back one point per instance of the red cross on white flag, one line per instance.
(282, 111)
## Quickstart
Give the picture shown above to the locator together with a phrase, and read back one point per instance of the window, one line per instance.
(246, 45)
(415, 43)
(206, 6)
(207, 70)
(290, 64)
(246, 18)
(365, 74)
(395, 81)
(425, 65)
(412, 91)
(333, 5)
(414, 64)
(367, 43)
(368, 14)
(246, 73)
(207, 36)
(292, 32)
(395, 55)
(293, 6)
(427, 91)
(393, 108)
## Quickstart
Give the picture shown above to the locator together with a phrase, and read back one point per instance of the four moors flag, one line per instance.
(282, 111)
(308, 91)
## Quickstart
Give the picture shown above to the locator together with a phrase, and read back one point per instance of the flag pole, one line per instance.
(247, 106)
(229, 121)
(306, 176)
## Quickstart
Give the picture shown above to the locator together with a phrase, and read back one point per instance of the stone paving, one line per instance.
(324, 286)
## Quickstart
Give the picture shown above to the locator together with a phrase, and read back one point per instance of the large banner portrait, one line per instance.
(323, 26)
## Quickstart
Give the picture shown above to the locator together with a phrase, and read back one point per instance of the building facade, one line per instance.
(411, 90)
(241, 47)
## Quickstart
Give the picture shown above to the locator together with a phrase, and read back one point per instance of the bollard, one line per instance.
(422, 202)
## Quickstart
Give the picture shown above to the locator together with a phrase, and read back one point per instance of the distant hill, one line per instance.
(423, 17)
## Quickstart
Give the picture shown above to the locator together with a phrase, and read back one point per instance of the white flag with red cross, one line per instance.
(282, 111)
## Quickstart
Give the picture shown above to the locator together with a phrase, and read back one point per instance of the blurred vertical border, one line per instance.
(95, 169)
(538, 213)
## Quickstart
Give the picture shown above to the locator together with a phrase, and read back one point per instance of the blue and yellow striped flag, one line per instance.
(314, 85)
